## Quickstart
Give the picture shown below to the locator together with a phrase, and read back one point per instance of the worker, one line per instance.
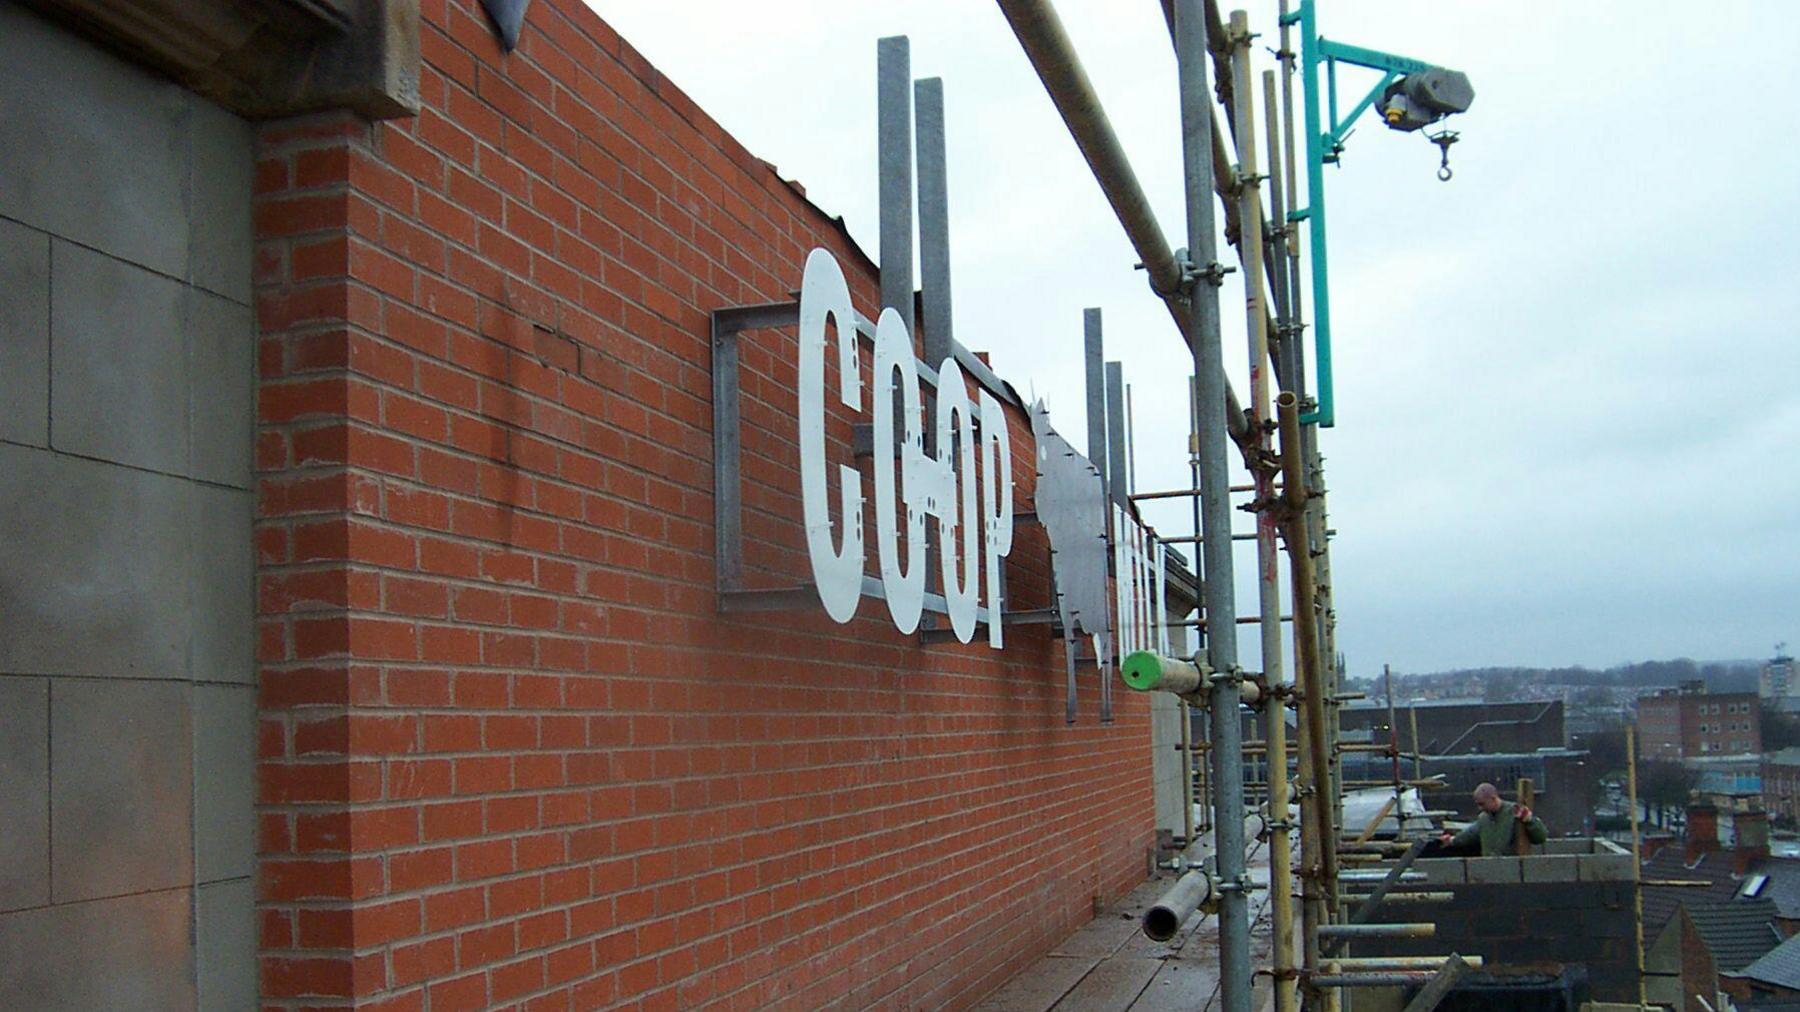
(1494, 825)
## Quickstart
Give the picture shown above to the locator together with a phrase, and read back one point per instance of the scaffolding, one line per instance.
(1275, 434)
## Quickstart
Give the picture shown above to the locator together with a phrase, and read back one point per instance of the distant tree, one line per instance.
(1663, 785)
(1606, 751)
(1593, 695)
(1779, 730)
(1605, 760)
(1501, 687)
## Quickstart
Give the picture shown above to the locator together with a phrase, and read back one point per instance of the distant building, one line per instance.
(1781, 783)
(1731, 910)
(1557, 777)
(1594, 708)
(1689, 721)
(1732, 782)
(1463, 726)
(1777, 679)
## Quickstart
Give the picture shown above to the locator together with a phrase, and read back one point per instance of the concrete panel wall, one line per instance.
(1165, 757)
(127, 699)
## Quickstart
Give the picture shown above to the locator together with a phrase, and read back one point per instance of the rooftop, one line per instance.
(1739, 932)
(1373, 703)
(1779, 966)
(1781, 885)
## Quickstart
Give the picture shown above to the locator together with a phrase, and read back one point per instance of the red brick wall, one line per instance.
(510, 756)
(1699, 973)
(1660, 726)
(1676, 726)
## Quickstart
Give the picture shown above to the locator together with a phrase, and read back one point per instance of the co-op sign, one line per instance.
(970, 503)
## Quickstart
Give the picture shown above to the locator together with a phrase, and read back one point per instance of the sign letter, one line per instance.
(837, 571)
(905, 588)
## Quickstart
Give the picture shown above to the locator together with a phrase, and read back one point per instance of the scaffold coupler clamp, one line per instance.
(1192, 273)
(1247, 181)
(1242, 884)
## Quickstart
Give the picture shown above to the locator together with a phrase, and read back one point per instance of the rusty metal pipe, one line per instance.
(1041, 34)
(1309, 672)
(1397, 962)
(1392, 979)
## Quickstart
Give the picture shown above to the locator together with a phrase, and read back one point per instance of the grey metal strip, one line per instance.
(728, 491)
(1115, 433)
(893, 124)
(1095, 350)
(934, 219)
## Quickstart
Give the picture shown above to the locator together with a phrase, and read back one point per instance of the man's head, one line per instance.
(1487, 798)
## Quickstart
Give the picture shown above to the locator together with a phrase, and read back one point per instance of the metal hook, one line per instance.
(1443, 139)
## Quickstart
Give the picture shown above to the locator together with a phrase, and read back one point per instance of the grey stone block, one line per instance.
(219, 243)
(221, 389)
(118, 361)
(1494, 869)
(1441, 870)
(93, 568)
(1605, 868)
(24, 792)
(222, 589)
(224, 782)
(121, 955)
(121, 782)
(225, 945)
(1550, 868)
(24, 334)
(91, 147)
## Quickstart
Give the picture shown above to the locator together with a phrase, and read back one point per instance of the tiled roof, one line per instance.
(1779, 966)
(1668, 865)
(1738, 932)
(1783, 884)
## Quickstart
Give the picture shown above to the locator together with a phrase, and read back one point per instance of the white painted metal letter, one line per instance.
(996, 507)
(903, 587)
(836, 571)
(956, 453)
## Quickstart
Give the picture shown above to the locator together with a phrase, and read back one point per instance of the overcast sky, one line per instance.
(1568, 381)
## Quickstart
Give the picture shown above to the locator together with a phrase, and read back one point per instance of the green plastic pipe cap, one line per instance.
(1142, 670)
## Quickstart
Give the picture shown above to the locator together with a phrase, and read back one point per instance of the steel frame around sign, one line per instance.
(734, 595)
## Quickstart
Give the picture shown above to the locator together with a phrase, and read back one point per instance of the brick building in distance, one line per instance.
(1462, 726)
(1688, 721)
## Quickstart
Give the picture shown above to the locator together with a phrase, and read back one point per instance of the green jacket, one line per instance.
(1496, 831)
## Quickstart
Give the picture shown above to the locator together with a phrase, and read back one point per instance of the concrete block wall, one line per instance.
(1165, 756)
(510, 754)
(1531, 912)
(127, 696)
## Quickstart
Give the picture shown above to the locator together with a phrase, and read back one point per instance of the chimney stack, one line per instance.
(1752, 831)
(1702, 830)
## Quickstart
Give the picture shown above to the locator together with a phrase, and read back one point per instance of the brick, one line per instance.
(501, 717)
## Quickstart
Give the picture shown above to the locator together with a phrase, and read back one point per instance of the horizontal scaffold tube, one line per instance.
(1169, 913)
(1419, 929)
(1361, 963)
(1148, 671)
(1389, 979)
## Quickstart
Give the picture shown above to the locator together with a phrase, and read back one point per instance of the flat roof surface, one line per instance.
(1109, 964)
